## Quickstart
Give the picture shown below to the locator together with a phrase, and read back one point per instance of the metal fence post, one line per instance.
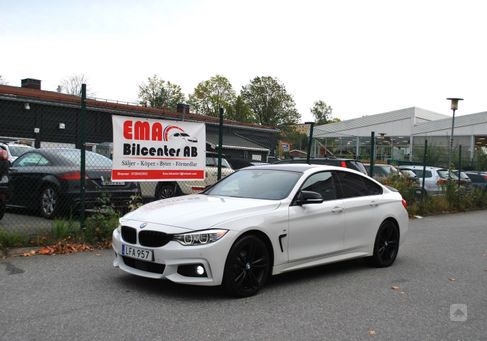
(82, 128)
(459, 162)
(424, 167)
(220, 145)
(372, 153)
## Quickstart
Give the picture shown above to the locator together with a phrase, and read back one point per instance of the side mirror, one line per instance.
(309, 197)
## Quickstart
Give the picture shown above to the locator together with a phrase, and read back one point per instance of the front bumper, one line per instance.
(172, 255)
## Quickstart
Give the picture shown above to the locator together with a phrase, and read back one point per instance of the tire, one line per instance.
(386, 245)
(247, 267)
(167, 190)
(49, 202)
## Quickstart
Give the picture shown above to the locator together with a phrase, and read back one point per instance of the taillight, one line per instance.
(343, 164)
(70, 176)
(442, 182)
(405, 203)
(3, 154)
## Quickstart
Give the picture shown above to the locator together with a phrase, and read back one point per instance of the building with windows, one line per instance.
(401, 134)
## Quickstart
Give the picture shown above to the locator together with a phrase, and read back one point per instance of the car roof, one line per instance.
(418, 167)
(301, 167)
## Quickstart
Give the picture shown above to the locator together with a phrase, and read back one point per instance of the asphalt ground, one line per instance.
(81, 297)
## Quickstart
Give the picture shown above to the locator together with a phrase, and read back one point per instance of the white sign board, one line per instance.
(152, 150)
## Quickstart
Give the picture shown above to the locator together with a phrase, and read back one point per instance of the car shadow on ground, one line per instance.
(168, 289)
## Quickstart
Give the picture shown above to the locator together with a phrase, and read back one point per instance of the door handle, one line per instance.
(337, 209)
(373, 204)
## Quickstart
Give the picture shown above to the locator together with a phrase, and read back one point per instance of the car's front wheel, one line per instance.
(49, 202)
(386, 245)
(247, 267)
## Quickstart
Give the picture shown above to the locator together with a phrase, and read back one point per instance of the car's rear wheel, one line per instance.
(167, 190)
(247, 267)
(49, 202)
(386, 245)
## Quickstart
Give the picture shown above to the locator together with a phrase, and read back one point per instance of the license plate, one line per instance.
(138, 253)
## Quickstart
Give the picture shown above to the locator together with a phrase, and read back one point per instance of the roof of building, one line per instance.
(56, 97)
(460, 121)
(235, 141)
(372, 120)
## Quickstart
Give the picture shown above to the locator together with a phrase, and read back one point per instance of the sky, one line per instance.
(360, 57)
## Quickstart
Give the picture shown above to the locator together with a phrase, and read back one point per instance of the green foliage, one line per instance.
(270, 102)
(211, 95)
(240, 111)
(12, 239)
(99, 226)
(322, 112)
(62, 229)
(297, 139)
(406, 187)
(135, 202)
(158, 93)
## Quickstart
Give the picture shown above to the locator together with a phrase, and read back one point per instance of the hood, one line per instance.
(197, 212)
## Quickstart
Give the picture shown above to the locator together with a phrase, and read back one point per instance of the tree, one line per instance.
(240, 111)
(72, 85)
(270, 102)
(210, 95)
(322, 112)
(158, 93)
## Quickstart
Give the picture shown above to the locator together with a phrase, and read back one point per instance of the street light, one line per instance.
(454, 107)
(310, 141)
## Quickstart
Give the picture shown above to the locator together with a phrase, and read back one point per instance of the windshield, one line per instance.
(18, 150)
(266, 184)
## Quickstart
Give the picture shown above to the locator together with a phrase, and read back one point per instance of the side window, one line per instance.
(210, 162)
(28, 160)
(353, 185)
(321, 183)
(43, 161)
(372, 187)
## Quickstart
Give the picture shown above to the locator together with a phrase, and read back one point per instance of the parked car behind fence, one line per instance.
(48, 181)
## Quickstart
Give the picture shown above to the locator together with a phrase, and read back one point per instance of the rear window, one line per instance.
(419, 173)
(443, 173)
(477, 178)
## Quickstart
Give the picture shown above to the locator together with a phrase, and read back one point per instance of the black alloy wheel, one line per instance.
(386, 245)
(167, 190)
(247, 267)
(49, 202)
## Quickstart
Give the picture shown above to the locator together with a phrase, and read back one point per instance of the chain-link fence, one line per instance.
(47, 178)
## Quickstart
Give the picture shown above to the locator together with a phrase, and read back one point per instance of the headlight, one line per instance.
(199, 237)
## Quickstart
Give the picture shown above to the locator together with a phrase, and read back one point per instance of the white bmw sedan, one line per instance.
(262, 221)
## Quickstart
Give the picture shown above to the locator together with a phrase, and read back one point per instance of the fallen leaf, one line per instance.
(452, 279)
(372, 332)
(395, 287)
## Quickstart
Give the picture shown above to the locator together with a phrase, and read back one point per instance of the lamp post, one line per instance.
(454, 107)
(310, 141)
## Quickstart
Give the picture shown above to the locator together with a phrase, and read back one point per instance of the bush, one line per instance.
(12, 239)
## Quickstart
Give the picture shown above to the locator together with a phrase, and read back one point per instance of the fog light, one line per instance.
(192, 270)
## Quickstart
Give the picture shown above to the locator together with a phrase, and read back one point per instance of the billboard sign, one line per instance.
(153, 150)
